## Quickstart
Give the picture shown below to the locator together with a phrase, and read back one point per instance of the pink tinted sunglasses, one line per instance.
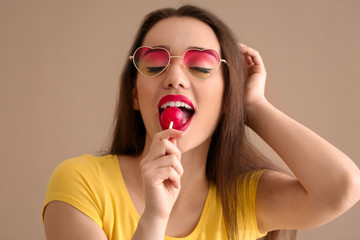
(152, 61)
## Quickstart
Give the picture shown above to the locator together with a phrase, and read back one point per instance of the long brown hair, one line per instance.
(230, 154)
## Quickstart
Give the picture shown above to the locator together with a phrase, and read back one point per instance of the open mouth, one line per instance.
(177, 109)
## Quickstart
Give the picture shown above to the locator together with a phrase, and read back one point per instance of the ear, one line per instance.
(135, 99)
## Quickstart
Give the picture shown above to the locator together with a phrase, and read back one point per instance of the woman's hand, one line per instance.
(161, 171)
(255, 87)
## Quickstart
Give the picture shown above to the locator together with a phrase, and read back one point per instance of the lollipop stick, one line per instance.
(171, 125)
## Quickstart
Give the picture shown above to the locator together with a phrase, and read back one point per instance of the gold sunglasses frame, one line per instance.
(132, 58)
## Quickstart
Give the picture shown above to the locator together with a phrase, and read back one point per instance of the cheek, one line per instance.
(217, 92)
(213, 98)
(217, 101)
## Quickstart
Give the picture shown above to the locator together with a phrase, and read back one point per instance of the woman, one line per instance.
(180, 166)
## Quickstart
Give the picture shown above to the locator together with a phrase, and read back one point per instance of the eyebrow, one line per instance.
(191, 47)
(161, 46)
(198, 48)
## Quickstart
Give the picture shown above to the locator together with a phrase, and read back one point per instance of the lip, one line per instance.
(171, 98)
(174, 98)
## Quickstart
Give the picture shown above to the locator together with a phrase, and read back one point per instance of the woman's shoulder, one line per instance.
(86, 165)
(87, 161)
(86, 173)
(79, 182)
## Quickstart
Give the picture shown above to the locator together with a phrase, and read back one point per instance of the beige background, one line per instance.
(59, 67)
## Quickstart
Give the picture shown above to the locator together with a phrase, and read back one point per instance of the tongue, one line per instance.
(172, 114)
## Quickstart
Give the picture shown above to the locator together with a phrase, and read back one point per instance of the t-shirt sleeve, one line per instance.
(77, 182)
(249, 184)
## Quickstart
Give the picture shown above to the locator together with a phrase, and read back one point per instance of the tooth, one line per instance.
(176, 104)
(163, 106)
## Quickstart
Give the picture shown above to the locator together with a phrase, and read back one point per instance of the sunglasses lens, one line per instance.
(151, 61)
(201, 64)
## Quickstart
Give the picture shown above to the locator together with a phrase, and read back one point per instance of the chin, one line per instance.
(186, 146)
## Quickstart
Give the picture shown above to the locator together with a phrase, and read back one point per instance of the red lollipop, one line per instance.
(171, 114)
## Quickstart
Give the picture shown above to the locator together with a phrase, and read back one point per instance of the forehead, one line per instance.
(180, 33)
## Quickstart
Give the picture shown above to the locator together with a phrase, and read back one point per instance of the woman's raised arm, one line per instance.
(327, 182)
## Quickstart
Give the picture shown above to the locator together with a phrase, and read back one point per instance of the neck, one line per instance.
(194, 164)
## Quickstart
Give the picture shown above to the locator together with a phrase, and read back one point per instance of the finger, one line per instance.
(165, 143)
(163, 162)
(162, 148)
(249, 61)
(159, 150)
(173, 141)
(254, 54)
(242, 48)
(161, 175)
(174, 177)
(247, 58)
(168, 161)
(169, 134)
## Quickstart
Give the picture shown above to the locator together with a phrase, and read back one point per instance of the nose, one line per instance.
(176, 76)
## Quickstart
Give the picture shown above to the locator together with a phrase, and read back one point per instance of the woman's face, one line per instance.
(178, 35)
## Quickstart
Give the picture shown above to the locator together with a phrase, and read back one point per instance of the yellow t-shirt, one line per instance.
(94, 185)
